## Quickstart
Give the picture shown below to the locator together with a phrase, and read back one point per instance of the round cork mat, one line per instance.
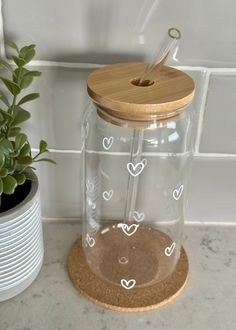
(115, 297)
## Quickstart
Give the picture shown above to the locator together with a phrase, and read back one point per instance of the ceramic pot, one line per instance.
(21, 244)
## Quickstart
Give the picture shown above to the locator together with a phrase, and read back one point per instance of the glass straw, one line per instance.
(160, 56)
(168, 44)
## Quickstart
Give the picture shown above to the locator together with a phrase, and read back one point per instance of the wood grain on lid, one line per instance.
(111, 86)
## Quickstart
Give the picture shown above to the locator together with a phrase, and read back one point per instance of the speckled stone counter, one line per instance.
(208, 301)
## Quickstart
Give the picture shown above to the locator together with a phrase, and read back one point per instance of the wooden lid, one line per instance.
(115, 89)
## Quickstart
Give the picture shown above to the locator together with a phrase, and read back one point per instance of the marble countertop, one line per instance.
(207, 302)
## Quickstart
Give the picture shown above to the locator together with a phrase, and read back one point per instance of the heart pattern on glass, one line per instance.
(169, 249)
(91, 204)
(107, 195)
(144, 161)
(138, 216)
(178, 192)
(128, 230)
(137, 169)
(89, 186)
(127, 284)
(90, 240)
(107, 142)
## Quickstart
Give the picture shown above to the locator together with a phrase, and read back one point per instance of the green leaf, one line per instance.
(20, 178)
(4, 99)
(43, 146)
(3, 172)
(6, 65)
(11, 86)
(1, 186)
(9, 185)
(2, 124)
(14, 131)
(25, 77)
(25, 81)
(45, 160)
(24, 50)
(6, 146)
(20, 72)
(2, 159)
(29, 55)
(25, 161)
(20, 141)
(28, 98)
(12, 45)
(33, 74)
(5, 114)
(10, 164)
(20, 115)
(25, 151)
(19, 61)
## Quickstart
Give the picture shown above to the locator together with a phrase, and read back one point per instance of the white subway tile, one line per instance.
(60, 186)
(212, 190)
(199, 77)
(219, 125)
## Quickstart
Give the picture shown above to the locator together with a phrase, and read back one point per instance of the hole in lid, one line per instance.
(144, 83)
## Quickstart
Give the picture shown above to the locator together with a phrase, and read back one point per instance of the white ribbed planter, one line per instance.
(21, 244)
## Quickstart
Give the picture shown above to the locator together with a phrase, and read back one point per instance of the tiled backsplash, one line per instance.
(71, 35)
(103, 31)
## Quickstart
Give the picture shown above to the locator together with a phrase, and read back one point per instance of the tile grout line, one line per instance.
(61, 64)
(2, 46)
(202, 111)
(196, 154)
(59, 151)
(213, 155)
(84, 65)
(187, 223)
(222, 70)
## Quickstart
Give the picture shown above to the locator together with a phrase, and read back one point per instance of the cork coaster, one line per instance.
(103, 291)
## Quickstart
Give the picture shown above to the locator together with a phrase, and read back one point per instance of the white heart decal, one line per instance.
(107, 195)
(170, 249)
(128, 284)
(90, 240)
(138, 216)
(89, 186)
(107, 142)
(128, 230)
(178, 192)
(137, 169)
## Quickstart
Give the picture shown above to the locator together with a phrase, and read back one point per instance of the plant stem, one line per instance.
(11, 113)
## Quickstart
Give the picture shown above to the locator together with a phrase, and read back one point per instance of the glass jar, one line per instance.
(135, 172)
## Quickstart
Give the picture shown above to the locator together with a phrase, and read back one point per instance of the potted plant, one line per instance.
(21, 243)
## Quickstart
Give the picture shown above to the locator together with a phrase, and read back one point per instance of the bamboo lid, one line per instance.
(116, 91)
